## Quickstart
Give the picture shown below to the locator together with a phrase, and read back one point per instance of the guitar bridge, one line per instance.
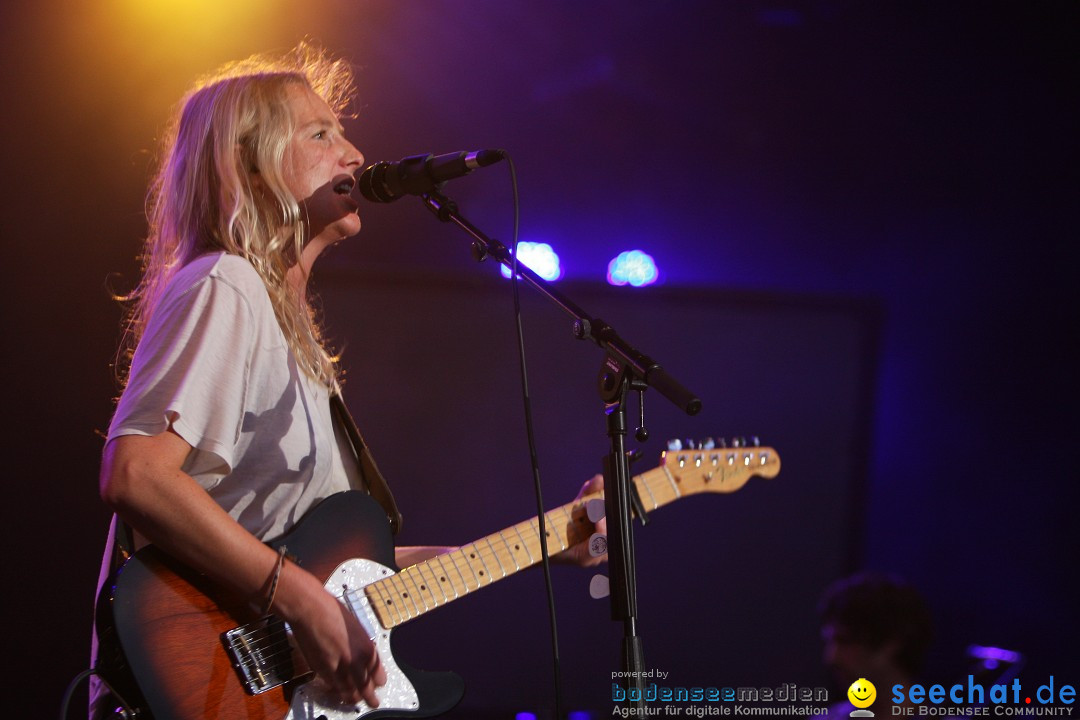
(260, 654)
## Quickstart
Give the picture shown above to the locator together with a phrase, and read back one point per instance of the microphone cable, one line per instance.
(533, 461)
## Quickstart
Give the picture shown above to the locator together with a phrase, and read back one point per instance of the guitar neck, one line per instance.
(444, 578)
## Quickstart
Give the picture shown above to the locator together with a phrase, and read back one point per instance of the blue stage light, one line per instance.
(538, 257)
(632, 267)
(525, 716)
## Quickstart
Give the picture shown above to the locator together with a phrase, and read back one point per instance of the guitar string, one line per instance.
(263, 639)
(531, 540)
(273, 641)
(661, 488)
(483, 550)
(486, 555)
(265, 644)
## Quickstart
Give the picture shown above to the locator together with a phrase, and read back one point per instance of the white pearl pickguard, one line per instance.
(311, 701)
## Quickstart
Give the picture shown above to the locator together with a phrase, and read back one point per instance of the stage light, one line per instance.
(995, 654)
(525, 716)
(143, 54)
(209, 20)
(538, 257)
(632, 267)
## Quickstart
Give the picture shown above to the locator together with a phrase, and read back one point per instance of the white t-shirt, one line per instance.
(214, 365)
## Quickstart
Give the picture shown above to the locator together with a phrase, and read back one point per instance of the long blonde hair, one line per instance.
(233, 123)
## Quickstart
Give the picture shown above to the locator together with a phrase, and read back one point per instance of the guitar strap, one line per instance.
(375, 483)
(123, 542)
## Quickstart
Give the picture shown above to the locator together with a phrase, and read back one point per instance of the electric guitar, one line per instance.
(195, 653)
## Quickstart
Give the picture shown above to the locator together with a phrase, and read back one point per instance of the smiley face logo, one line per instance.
(862, 693)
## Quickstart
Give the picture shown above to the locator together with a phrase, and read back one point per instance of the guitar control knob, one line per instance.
(674, 445)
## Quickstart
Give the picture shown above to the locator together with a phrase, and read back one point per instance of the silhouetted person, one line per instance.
(875, 627)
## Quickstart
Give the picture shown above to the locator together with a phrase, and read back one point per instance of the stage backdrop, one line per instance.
(727, 583)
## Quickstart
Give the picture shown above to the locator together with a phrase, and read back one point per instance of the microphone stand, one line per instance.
(624, 369)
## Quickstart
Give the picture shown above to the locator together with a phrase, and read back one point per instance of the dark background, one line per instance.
(864, 215)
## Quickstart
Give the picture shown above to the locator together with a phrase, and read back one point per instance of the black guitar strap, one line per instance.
(123, 542)
(375, 483)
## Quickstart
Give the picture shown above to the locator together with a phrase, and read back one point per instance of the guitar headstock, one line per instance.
(710, 466)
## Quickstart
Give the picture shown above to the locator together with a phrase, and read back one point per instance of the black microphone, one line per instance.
(420, 174)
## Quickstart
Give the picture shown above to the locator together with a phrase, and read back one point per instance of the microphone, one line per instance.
(420, 174)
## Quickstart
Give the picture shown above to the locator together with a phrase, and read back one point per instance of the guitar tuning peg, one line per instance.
(742, 441)
(674, 445)
(723, 442)
(599, 587)
(755, 441)
(689, 443)
(594, 510)
(708, 444)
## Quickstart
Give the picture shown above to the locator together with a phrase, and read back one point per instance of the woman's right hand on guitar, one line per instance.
(331, 639)
(142, 480)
